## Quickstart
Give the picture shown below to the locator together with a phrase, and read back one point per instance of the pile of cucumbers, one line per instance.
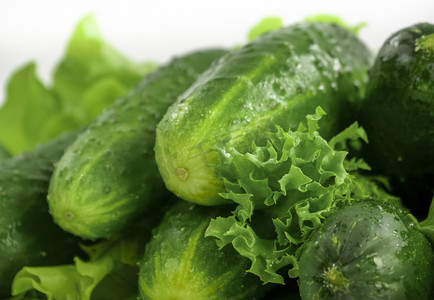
(294, 166)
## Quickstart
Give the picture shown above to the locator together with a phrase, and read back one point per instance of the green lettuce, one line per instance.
(89, 77)
(272, 23)
(427, 225)
(109, 272)
(355, 29)
(111, 264)
(286, 188)
(264, 26)
(28, 104)
(92, 73)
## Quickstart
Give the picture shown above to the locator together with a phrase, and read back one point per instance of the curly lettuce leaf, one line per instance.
(28, 104)
(285, 189)
(110, 273)
(29, 297)
(264, 26)
(427, 225)
(355, 29)
(90, 65)
(89, 77)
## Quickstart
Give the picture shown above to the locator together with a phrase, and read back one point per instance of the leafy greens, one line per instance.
(336, 20)
(284, 189)
(109, 272)
(264, 26)
(427, 225)
(90, 76)
(114, 265)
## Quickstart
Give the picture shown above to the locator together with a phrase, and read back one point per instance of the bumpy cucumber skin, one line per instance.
(375, 252)
(398, 116)
(28, 235)
(4, 154)
(108, 176)
(398, 113)
(180, 263)
(275, 80)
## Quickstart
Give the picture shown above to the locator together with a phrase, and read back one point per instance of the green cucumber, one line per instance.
(370, 249)
(28, 235)
(398, 115)
(275, 80)
(108, 176)
(180, 263)
(4, 154)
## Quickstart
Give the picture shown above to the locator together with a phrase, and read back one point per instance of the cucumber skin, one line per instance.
(180, 263)
(398, 112)
(398, 116)
(28, 235)
(275, 80)
(377, 248)
(108, 176)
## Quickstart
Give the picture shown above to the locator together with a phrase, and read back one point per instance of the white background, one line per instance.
(156, 30)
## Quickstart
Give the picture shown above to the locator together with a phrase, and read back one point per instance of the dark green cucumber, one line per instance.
(108, 176)
(28, 235)
(180, 263)
(4, 154)
(275, 80)
(370, 250)
(398, 115)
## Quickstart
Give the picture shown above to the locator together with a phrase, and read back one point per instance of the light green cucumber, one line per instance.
(275, 80)
(108, 176)
(180, 263)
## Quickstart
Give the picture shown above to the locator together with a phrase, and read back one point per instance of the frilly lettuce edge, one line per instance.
(109, 273)
(296, 180)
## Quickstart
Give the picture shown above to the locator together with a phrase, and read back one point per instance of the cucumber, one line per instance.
(4, 154)
(370, 249)
(398, 114)
(108, 176)
(28, 235)
(180, 263)
(275, 80)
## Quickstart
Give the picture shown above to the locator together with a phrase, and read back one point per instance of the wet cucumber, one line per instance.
(398, 115)
(108, 176)
(275, 80)
(180, 263)
(28, 235)
(370, 250)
